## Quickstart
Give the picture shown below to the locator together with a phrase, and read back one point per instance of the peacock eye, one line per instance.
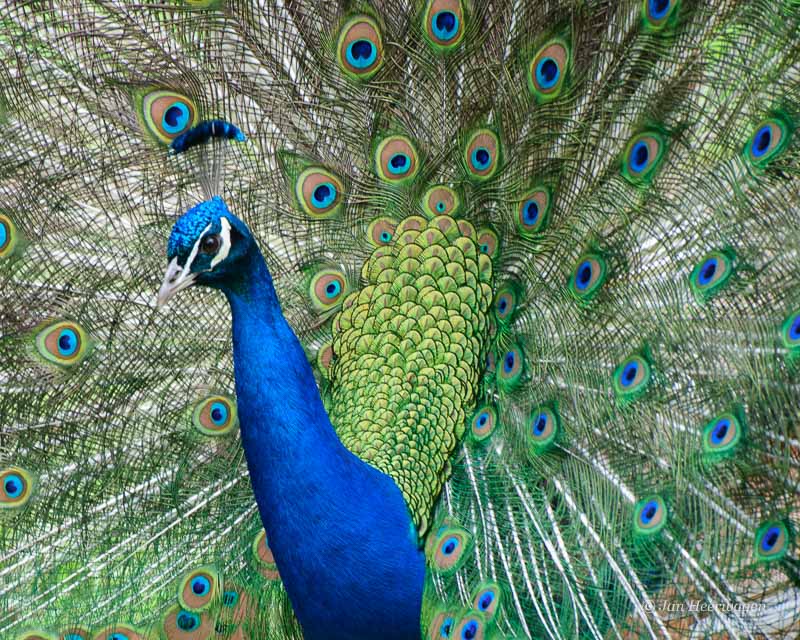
(211, 244)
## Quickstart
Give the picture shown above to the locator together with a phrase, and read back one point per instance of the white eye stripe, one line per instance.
(225, 234)
(193, 254)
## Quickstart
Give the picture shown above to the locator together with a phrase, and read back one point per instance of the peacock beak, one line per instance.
(175, 279)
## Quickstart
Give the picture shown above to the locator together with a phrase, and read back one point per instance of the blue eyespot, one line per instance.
(323, 195)
(482, 419)
(441, 206)
(583, 275)
(640, 154)
(399, 163)
(508, 362)
(770, 538)
(361, 54)
(486, 601)
(333, 288)
(707, 271)
(629, 373)
(445, 25)
(658, 8)
(385, 236)
(481, 158)
(230, 598)
(530, 212)
(761, 141)
(118, 636)
(649, 512)
(540, 424)
(67, 342)
(3, 235)
(450, 546)
(470, 630)
(720, 430)
(794, 331)
(547, 73)
(187, 621)
(73, 636)
(176, 117)
(219, 413)
(200, 586)
(446, 628)
(13, 485)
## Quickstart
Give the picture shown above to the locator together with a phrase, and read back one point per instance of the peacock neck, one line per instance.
(339, 529)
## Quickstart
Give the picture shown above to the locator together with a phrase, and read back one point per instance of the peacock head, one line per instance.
(207, 246)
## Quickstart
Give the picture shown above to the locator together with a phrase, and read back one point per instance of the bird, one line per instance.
(399, 319)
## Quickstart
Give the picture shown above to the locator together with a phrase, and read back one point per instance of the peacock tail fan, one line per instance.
(542, 257)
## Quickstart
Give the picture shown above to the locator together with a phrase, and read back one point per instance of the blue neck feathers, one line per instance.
(339, 529)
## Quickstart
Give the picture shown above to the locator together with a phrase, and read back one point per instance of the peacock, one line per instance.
(399, 319)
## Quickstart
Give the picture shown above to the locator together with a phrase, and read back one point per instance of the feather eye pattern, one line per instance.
(508, 200)
(63, 343)
(166, 114)
(441, 200)
(199, 589)
(533, 211)
(359, 50)
(215, 416)
(443, 24)
(548, 70)
(16, 488)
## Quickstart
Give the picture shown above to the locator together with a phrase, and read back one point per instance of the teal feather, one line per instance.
(628, 464)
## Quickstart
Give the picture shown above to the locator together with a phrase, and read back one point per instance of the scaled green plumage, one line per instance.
(588, 397)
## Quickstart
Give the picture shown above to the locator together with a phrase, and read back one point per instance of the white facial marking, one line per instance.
(187, 267)
(225, 234)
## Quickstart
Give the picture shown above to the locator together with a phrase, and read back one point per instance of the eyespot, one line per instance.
(327, 289)
(440, 200)
(119, 632)
(8, 236)
(443, 24)
(396, 160)
(483, 422)
(722, 434)
(505, 303)
(510, 368)
(75, 633)
(772, 541)
(533, 211)
(215, 416)
(650, 515)
(488, 242)
(325, 358)
(441, 625)
(769, 139)
(547, 71)
(790, 331)
(63, 343)
(710, 275)
(450, 550)
(181, 624)
(588, 276)
(262, 554)
(319, 193)
(199, 588)
(167, 114)
(381, 231)
(482, 155)
(545, 424)
(36, 634)
(642, 157)
(657, 13)
(16, 486)
(470, 627)
(486, 599)
(360, 48)
(631, 377)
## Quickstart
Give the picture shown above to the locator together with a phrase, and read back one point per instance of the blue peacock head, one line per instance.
(207, 246)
